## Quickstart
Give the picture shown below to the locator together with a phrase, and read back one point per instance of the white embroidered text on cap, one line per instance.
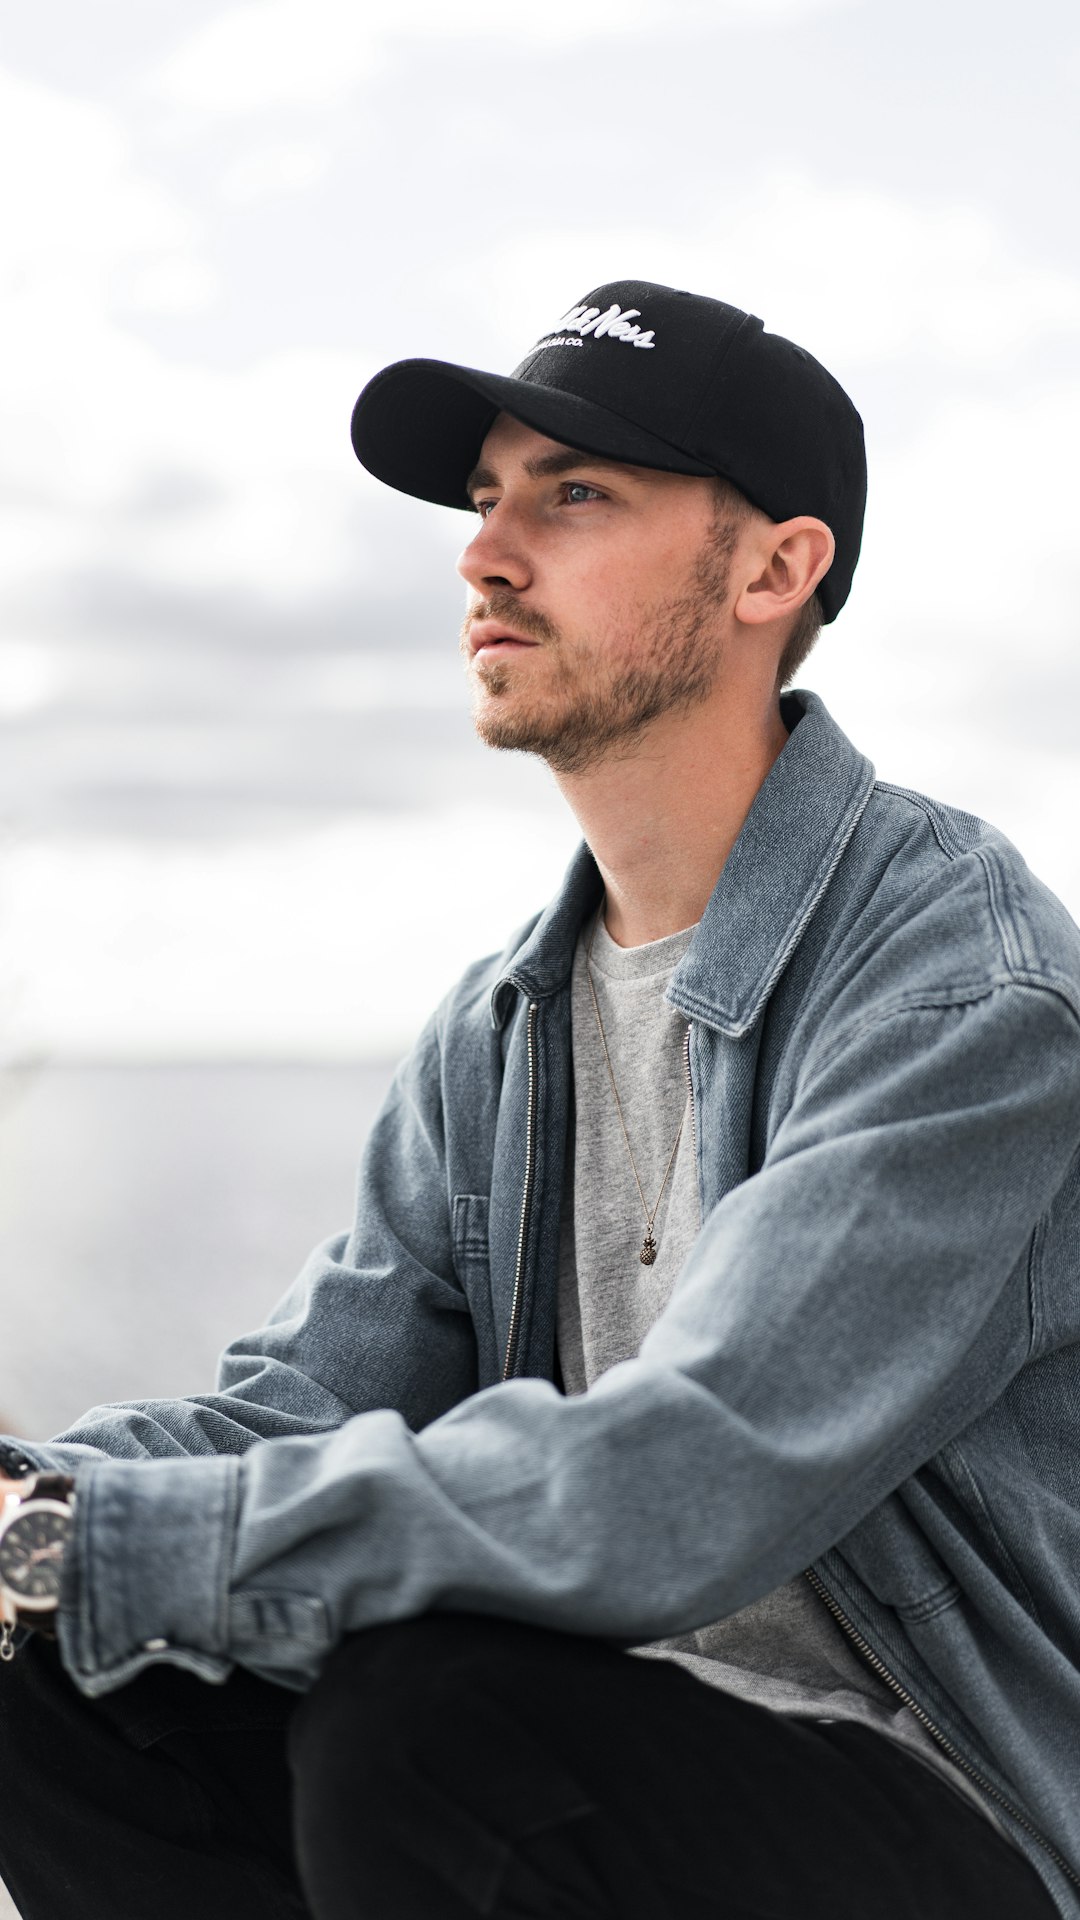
(615, 324)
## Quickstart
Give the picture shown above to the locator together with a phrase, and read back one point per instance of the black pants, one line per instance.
(456, 1765)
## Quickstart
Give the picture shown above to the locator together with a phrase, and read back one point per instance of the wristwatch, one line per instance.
(35, 1526)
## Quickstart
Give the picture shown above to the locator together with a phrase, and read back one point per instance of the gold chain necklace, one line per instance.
(648, 1245)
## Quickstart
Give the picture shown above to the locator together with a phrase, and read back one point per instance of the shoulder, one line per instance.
(931, 911)
(950, 905)
(932, 922)
(945, 975)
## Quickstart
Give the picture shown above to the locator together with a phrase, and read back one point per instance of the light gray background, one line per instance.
(246, 835)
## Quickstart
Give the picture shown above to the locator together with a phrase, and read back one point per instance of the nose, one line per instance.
(495, 556)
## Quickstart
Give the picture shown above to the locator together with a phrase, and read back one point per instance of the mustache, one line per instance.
(501, 605)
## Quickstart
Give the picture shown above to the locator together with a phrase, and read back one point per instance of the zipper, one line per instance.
(923, 1717)
(526, 1201)
(690, 1091)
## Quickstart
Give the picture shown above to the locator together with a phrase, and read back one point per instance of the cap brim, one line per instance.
(419, 426)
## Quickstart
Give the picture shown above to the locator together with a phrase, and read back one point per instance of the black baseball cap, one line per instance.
(653, 376)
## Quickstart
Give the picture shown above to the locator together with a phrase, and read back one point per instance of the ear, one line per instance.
(789, 558)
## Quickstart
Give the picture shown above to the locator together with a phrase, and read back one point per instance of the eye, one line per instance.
(581, 487)
(483, 507)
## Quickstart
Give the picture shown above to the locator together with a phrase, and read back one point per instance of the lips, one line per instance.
(491, 636)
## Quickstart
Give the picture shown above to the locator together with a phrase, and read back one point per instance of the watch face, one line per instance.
(31, 1551)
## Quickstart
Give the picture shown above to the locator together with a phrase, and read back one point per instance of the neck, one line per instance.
(661, 819)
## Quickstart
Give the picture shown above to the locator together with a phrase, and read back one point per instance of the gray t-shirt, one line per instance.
(785, 1651)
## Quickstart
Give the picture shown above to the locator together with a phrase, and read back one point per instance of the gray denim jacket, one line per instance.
(868, 1368)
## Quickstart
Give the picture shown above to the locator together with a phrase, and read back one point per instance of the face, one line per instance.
(596, 598)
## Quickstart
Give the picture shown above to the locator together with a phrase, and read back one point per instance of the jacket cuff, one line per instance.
(145, 1579)
(16, 1461)
(20, 1457)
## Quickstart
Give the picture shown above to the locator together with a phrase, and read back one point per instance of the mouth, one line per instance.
(488, 638)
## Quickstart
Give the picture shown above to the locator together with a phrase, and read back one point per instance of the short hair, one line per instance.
(735, 509)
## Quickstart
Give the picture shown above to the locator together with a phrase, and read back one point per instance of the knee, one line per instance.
(407, 1689)
(381, 1684)
(398, 1724)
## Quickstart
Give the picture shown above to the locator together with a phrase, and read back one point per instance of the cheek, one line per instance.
(599, 590)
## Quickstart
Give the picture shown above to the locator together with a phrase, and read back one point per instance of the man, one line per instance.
(666, 1497)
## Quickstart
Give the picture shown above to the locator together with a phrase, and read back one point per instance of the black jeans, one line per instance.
(457, 1765)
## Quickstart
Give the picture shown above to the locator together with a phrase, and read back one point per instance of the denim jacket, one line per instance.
(868, 1370)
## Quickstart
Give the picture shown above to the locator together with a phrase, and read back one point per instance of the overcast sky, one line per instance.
(241, 807)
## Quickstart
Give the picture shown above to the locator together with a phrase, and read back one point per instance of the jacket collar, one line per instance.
(791, 842)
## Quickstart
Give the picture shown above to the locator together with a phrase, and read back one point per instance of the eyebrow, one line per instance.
(548, 465)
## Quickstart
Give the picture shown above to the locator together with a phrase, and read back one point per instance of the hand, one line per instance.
(11, 1486)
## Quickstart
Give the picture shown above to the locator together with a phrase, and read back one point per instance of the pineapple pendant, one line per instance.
(648, 1249)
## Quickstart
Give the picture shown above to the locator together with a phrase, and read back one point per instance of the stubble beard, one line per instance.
(592, 710)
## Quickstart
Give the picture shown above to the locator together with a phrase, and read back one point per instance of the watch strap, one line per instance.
(50, 1486)
(43, 1624)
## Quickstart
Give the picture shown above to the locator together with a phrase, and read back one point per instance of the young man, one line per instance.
(666, 1496)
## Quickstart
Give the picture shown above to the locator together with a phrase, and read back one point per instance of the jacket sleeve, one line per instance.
(843, 1313)
(376, 1318)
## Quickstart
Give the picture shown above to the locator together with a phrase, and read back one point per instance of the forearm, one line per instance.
(807, 1363)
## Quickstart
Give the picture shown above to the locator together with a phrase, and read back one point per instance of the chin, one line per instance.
(498, 725)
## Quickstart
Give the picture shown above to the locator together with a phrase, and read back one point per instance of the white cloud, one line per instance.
(269, 172)
(971, 535)
(943, 283)
(175, 283)
(30, 679)
(297, 53)
(277, 517)
(250, 951)
(272, 489)
(116, 683)
(81, 207)
(92, 415)
(87, 233)
(309, 54)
